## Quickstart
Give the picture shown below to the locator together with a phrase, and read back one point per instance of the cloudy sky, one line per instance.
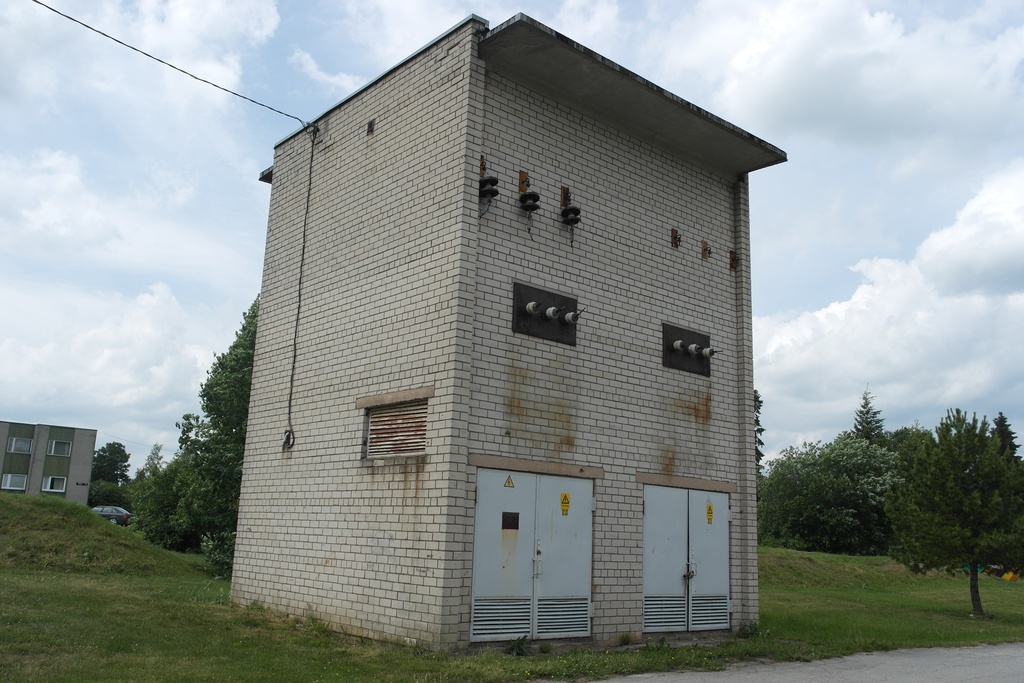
(888, 253)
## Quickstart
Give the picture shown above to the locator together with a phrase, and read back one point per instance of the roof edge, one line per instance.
(468, 20)
(777, 155)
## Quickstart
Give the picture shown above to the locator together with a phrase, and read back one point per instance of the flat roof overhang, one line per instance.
(543, 60)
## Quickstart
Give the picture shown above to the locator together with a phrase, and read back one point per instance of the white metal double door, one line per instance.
(686, 559)
(531, 556)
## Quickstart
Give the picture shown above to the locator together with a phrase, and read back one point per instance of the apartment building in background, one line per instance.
(44, 459)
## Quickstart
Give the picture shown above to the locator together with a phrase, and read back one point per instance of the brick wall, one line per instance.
(608, 402)
(322, 531)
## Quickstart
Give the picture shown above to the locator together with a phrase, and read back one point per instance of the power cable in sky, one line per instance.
(157, 59)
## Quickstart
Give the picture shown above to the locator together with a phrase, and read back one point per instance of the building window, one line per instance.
(17, 444)
(396, 430)
(55, 484)
(14, 482)
(59, 448)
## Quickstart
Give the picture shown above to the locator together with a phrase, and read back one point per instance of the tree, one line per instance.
(192, 502)
(159, 505)
(961, 503)
(758, 429)
(154, 463)
(1006, 437)
(828, 498)
(867, 421)
(108, 493)
(110, 463)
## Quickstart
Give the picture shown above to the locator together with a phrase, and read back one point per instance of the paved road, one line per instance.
(982, 664)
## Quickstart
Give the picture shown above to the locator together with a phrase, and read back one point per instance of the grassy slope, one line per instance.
(46, 532)
(83, 600)
(835, 604)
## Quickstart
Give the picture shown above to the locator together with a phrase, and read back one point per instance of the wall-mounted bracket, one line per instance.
(676, 352)
(540, 313)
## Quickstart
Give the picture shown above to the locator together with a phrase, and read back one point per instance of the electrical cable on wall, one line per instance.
(289, 432)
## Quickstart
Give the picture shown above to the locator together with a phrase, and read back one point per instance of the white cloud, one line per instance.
(48, 214)
(846, 71)
(939, 331)
(598, 24)
(391, 30)
(102, 360)
(338, 84)
(203, 37)
(984, 249)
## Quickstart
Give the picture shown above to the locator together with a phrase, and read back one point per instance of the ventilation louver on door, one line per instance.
(709, 612)
(664, 613)
(563, 617)
(397, 430)
(501, 618)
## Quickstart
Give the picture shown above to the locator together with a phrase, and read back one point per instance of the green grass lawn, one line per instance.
(82, 600)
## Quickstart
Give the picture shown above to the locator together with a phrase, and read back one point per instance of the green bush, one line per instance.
(219, 550)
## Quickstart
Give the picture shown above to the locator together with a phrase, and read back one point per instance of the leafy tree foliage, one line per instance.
(758, 429)
(1006, 436)
(961, 503)
(108, 493)
(154, 462)
(192, 502)
(110, 463)
(867, 421)
(828, 498)
(903, 440)
(161, 508)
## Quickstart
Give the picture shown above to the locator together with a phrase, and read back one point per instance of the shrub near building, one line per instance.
(828, 498)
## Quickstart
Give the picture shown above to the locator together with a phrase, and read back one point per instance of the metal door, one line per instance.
(709, 560)
(686, 560)
(531, 556)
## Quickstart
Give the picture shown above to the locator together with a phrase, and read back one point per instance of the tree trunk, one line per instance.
(976, 609)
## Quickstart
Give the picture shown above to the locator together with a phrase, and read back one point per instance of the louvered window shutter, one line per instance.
(397, 430)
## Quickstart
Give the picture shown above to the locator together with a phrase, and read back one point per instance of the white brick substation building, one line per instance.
(477, 417)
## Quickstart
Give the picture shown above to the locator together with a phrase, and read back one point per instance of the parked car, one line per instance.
(117, 515)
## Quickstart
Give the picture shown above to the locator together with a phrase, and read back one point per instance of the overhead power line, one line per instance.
(168, 64)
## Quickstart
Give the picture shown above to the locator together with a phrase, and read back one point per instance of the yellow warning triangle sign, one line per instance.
(508, 483)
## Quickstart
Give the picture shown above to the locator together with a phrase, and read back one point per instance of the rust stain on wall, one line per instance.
(697, 407)
(668, 461)
(563, 416)
(413, 476)
(518, 378)
(541, 414)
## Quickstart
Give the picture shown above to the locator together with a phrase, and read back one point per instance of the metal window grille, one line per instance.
(397, 430)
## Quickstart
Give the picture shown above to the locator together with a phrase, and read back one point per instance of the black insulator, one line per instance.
(571, 215)
(488, 186)
(529, 200)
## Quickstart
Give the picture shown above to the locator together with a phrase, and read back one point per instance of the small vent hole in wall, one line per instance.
(370, 126)
(510, 520)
